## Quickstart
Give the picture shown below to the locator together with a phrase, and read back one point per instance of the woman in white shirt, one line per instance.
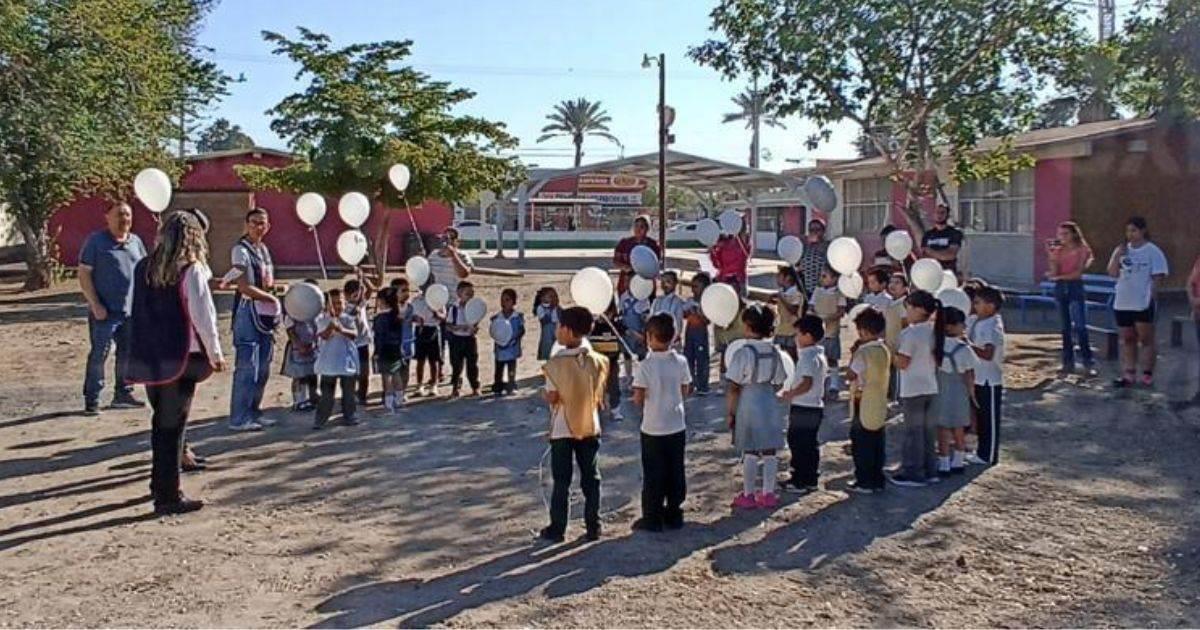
(1138, 265)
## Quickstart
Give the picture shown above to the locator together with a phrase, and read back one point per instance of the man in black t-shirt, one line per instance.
(943, 240)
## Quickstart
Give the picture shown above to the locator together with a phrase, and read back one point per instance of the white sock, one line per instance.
(943, 463)
(749, 474)
(956, 459)
(770, 469)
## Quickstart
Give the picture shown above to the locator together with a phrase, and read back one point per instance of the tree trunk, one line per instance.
(382, 237)
(38, 261)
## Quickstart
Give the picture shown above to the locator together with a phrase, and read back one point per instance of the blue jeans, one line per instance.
(695, 350)
(251, 368)
(103, 333)
(1072, 313)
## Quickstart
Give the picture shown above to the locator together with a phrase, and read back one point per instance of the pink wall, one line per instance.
(1051, 205)
(70, 226)
(792, 220)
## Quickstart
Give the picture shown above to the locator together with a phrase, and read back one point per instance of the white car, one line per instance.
(682, 226)
(472, 230)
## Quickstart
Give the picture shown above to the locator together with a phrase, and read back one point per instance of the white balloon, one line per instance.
(720, 304)
(955, 298)
(899, 244)
(437, 297)
(731, 221)
(310, 207)
(707, 232)
(640, 287)
(417, 271)
(475, 310)
(820, 193)
(352, 247)
(851, 285)
(592, 288)
(354, 208)
(399, 176)
(790, 249)
(926, 274)
(501, 331)
(303, 301)
(949, 280)
(153, 188)
(644, 261)
(845, 255)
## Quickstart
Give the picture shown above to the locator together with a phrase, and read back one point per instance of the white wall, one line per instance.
(1005, 259)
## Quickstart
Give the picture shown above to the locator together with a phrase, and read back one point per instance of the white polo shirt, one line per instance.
(662, 375)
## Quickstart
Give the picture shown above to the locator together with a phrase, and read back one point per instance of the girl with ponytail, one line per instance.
(956, 388)
(917, 354)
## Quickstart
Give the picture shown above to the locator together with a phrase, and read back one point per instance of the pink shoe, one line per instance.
(1147, 380)
(766, 501)
(744, 502)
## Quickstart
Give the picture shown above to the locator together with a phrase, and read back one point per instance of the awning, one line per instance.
(683, 169)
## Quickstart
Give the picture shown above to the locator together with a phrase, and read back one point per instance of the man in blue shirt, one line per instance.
(106, 278)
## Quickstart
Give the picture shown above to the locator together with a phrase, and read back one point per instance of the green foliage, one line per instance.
(1161, 53)
(87, 88)
(577, 119)
(223, 136)
(754, 107)
(1088, 84)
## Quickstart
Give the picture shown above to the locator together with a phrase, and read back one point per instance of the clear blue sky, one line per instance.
(521, 57)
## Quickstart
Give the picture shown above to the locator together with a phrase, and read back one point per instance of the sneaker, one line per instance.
(1147, 380)
(907, 482)
(126, 401)
(616, 415)
(592, 534)
(975, 460)
(91, 409)
(550, 535)
(351, 422)
(647, 525)
(1090, 371)
(182, 506)
(435, 391)
(475, 392)
(701, 393)
(766, 500)
(791, 487)
(399, 401)
(267, 421)
(252, 425)
(744, 502)
(454, 393)
(1121, 382)
(857, 489)
(932, 479)
(421, 392)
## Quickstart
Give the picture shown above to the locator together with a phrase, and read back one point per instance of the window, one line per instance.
(865, 204)
(998, 206)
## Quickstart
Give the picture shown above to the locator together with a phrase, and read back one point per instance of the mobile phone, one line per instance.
(1053, 242)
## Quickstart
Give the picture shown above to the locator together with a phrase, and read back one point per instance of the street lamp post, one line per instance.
(663, 125)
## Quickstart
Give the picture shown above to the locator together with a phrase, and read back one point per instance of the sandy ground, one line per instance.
(424, 518)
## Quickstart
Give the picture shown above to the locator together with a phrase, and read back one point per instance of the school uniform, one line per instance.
(362, 344)
(673, 305)
(507, 354)
(918, 386)
(578, 375)
(663, 374)
(952, 406)
(427, 345)
(547, 317)
(758, 367)
(893, 316)
(827, 302)
(785, 326)
(605, 340)
(804, 417)
(337, 366)
(989, 384)
(464, 347)
(633, 317)
(872, 366)
(695, 346)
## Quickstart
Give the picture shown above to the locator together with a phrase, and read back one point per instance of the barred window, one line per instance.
(998, 206)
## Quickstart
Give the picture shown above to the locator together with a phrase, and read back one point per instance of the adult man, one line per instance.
(815, 258)
(255, 314)
(943, 241)
(106, 279)
(448, 264)
(641, 230)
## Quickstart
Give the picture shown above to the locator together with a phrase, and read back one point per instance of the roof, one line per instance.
(683, 169)
(212, 155)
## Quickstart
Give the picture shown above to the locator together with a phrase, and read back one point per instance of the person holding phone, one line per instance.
(1138, 265)
(1069, 255)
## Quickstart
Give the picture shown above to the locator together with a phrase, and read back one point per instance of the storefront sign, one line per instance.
(598, 181)
(606, 199)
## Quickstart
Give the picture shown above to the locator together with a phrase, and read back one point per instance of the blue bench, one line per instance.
(1099, 291)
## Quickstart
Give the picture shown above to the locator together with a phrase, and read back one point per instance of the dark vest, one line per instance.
(161, 331)
(256, 276)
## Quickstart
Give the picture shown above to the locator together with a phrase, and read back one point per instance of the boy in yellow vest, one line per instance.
(575, 380)
(869, 374)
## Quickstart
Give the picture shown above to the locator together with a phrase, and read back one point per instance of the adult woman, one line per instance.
(256, 313)
(731, 256)
(1069, 255)
(815, 256)
(641, 231)
(175, 346)
(1137, 264)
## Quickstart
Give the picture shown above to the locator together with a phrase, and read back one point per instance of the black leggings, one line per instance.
(171, 403)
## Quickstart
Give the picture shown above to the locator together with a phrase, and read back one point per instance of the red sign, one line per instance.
(618, 181)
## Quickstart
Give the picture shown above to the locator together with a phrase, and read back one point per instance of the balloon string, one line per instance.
(620, 339)
(413, 222)
(320, 257)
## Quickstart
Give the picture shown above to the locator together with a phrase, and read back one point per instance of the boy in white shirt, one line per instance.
(337, 359)
(985, 333)
(670, 303)
(804, 390)
(660, 383)
(829, 304)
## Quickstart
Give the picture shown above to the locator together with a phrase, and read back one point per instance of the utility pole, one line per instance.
(662, 158)
(1107, 15)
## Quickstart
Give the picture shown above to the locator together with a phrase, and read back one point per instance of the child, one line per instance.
(393, 332)
(986, 336)
(755, 414)
(605, 339)
(869, 370)
(829, 304)
(428, 345)
(507, 354)
(464, 347)
(547, 312)
(660, 385)
(726, 336)
(356, 306)
(695, 338)
(300, 357)
(633, 317)
(670, 303)
(918, 386)
(790, 302)
(894, 314)
(877, 295)
(337, 359)
(956, 391)
(575, 379)
(804, 391)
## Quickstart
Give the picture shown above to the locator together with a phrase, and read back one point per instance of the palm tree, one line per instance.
(576, 119)
(753, 106)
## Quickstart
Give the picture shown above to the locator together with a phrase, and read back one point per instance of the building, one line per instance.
(1097, 174)
(212, 185)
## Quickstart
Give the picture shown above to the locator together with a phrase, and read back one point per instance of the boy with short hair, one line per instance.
(695, 337)
(337, 359)
(464, 347)
(829, 304)
(985, 332)
(670, 303)
(870, 368)
(660, 384)
(575, 381)
(805, 392)
(355, 295)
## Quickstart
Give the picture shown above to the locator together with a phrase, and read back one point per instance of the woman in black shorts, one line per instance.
(1138, 265)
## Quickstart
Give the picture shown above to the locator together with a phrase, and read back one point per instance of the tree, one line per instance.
(577, 119)
(86, 92)
(204, 85)
(1161, 53)
(1088, 84)
(362, 112)
(223, 136)
(940, 74)
(754, 108)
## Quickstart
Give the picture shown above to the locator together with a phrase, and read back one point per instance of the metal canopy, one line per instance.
(683, 169)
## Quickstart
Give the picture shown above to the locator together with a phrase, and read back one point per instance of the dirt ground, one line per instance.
(1091, 519)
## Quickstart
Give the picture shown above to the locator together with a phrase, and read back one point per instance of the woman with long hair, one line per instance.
(175, 345)
(1138, 265)
(1069, 256)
